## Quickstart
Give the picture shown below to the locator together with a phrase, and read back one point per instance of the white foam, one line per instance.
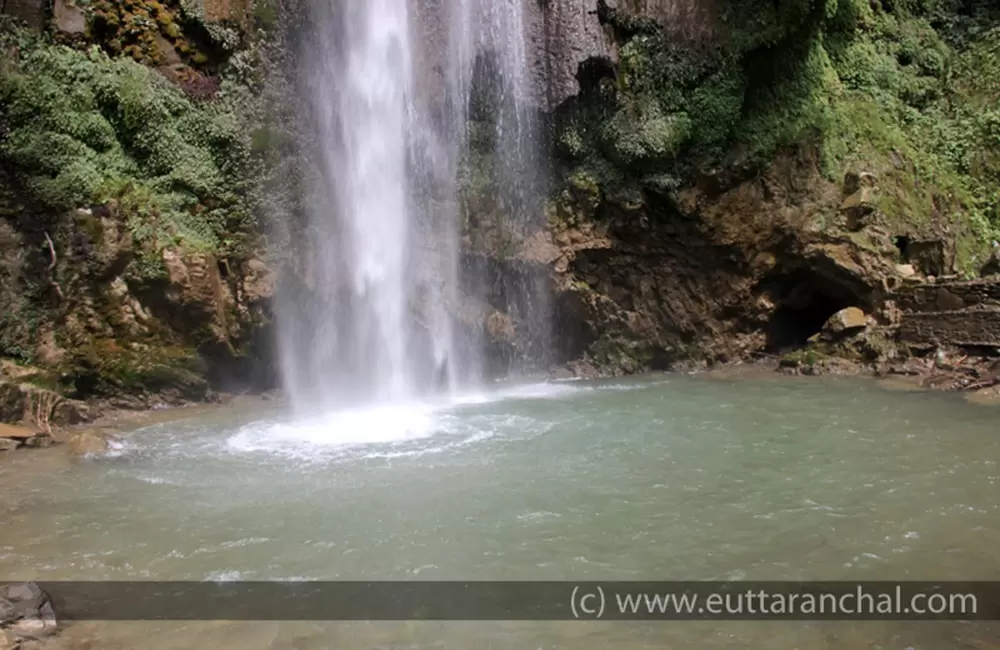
(391, 431)
(348, 428)
(225, 576)
(545, 390)
(155, 480)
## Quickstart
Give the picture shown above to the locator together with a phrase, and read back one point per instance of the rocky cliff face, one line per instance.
(131, 269)
(722, 189)
(566, 33)
(94, 328)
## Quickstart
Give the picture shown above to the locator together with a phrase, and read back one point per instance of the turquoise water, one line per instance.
(658, 478)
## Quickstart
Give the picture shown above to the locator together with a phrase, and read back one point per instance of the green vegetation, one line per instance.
(904, 89)
(807, 357)
(103, 367)
(83, 128)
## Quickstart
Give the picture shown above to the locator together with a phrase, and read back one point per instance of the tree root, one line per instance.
(42, 408)
(52, 267)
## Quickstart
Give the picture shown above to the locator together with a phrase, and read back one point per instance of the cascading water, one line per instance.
(375, 318)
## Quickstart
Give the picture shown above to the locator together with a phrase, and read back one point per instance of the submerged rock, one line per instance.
(92, 441)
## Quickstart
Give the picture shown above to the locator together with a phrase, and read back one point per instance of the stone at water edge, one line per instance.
(12, 437)
(8, 612)
(17, 433)
(36, 628)
(26, 597)
(91, 441)
(28, 612)
(850, 318)
(40, 441)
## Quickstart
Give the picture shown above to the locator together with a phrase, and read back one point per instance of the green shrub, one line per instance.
(906, 89)
(85, 128)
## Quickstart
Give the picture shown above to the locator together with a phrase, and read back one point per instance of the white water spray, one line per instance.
(376, 319)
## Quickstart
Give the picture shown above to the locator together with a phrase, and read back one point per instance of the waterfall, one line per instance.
(387, 86)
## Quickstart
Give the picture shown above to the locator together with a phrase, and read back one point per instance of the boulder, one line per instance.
(68, 18)
(91, 441)
(69, 412)
(26, 596)
(6, 444)
(857, 206)
(846, 320)
(859, 198)
(39, 625)
(560, 373)
(906, 270)
(40, 440)
(583, 369)
(27, 613)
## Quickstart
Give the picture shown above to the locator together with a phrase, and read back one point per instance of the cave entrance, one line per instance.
(805, 301)
(902, 243)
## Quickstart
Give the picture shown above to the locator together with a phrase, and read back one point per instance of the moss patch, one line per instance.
(104, 367)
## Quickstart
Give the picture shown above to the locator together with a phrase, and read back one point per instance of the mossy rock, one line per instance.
(105, 367)
(805, 357)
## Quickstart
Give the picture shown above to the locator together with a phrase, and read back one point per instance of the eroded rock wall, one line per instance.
(98, 328)
(566, 33)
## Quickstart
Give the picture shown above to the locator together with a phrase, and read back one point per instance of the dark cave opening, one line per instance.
(805, 302)
(902, 243)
